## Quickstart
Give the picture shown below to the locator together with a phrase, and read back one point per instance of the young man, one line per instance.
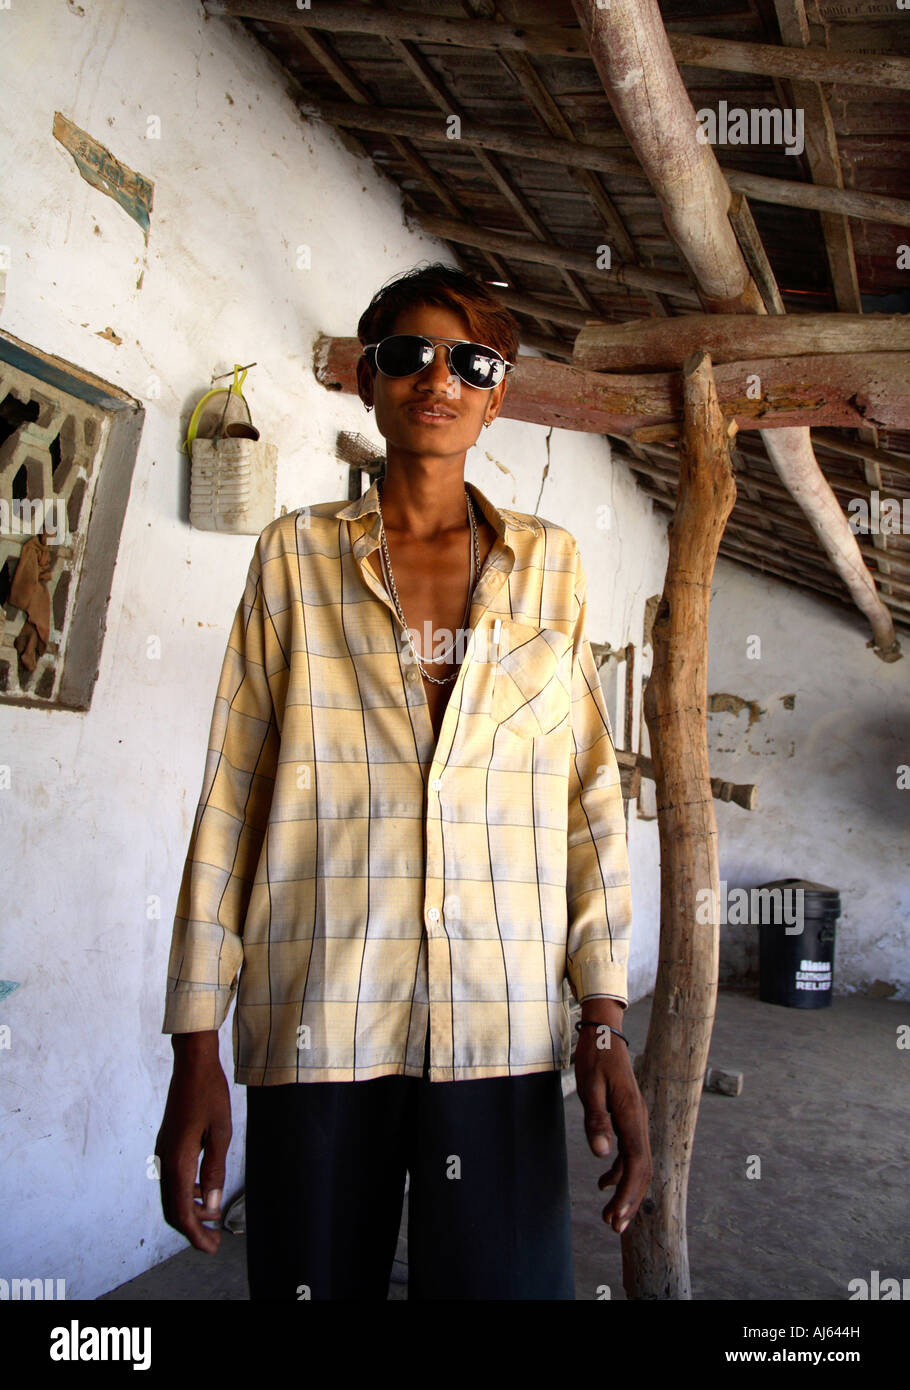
(410, 833)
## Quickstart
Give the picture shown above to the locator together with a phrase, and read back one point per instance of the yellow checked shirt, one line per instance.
(367, 882)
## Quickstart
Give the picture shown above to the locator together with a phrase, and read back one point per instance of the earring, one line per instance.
(369, 407)
(487, 424)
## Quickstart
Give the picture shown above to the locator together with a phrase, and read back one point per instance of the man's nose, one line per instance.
(437, 373)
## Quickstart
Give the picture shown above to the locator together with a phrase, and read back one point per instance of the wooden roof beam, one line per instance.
(812, 63)
(645, 345)
(823, 158)
(520, 248)
(750, 552)
(576, 154)
(885, 458)
(413, 59)
(351, 85)
(794, 390)
(767, 517)
(632, 54)
(548, 112)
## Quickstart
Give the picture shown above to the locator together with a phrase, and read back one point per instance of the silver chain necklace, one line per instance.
(391, 586)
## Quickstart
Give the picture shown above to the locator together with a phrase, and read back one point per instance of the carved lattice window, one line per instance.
(67, 448)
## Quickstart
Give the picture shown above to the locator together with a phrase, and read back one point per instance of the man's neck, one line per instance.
(423, 497)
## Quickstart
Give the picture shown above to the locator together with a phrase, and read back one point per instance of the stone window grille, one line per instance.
(68, 444)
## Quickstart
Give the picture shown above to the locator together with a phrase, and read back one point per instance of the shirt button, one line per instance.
(433, 914)
(412, 675)
(436, 784)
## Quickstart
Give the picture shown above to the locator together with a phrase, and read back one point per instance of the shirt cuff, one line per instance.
(589, 974)
(199, 1010)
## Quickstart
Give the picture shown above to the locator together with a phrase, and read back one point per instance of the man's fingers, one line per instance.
(632, 1173)
(185, 1214)
(213, 1168)
(189, 1224)
(598, 1129)
(210, 1201)
(612, 1175)
(622, 1205)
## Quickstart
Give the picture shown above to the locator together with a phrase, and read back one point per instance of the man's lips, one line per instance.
(431, 413)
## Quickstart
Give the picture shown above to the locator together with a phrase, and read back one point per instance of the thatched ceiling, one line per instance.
(543, 85)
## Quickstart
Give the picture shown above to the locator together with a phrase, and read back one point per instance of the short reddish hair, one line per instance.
(487, 317)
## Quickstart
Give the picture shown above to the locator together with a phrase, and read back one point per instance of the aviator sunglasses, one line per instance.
(405, 354)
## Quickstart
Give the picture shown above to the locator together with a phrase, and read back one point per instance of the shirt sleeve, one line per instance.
(598, 883)
(231, 818)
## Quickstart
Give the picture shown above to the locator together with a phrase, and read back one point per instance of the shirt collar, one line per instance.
(500, 518)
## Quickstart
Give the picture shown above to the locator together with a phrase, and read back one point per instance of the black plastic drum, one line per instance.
(796, 943)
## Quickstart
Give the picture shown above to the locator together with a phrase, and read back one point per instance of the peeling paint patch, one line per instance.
(881, 989)
(102, 170)
(7, 987)
(788, 701)
(110, 335)
(734, 704)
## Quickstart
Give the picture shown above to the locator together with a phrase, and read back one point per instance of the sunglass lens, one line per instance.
(477, 365)
(403, 354)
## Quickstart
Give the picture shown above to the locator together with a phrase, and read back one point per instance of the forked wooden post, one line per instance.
(655, 1252)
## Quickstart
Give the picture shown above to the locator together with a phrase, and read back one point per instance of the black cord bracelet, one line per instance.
(592, 1023)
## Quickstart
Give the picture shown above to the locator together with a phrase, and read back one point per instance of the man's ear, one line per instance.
(364, 381)
(497, 393)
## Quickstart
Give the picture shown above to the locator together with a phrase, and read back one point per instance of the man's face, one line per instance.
(434, 411)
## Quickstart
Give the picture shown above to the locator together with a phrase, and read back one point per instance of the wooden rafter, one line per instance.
(411, 58)
(541, 253)
(794, 391)
(351, 85)
(576, 154)
(748, 545)
(630, 49)
(502, 219)
(817, 64)
(648, 346)
(773, 524)
(550, 116)
(824, 163)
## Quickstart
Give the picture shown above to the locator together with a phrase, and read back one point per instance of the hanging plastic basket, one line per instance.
(232, 472)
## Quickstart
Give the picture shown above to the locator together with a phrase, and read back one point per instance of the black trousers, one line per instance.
(488, 1201)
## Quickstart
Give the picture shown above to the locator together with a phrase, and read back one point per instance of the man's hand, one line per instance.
(607, 1088)
(197, 1117)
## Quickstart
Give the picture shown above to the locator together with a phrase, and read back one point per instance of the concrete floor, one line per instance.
(824, 1106)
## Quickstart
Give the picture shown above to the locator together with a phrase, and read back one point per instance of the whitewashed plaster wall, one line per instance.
(101, 805)
(830, 805)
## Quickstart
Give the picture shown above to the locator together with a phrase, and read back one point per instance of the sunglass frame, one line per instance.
(448, 343)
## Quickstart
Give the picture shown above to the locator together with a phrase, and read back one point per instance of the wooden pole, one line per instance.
(655, 1250)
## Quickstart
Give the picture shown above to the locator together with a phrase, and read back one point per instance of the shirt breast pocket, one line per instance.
(532, 682)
